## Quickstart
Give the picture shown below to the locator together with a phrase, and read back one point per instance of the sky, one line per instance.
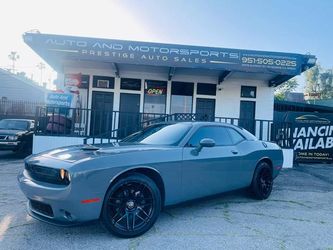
(298, 26)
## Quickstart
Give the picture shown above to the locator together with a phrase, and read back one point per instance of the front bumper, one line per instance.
(43, 218)
(65, 202)
(9, 145)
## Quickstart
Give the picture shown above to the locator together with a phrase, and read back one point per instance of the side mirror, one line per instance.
(205, 142)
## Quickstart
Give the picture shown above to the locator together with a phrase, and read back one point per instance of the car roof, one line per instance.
(197, 124)
(28, 120)
(200, 124)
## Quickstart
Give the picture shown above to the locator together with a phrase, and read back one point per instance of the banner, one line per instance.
(73, 80)
(59, 100)
(312, 136)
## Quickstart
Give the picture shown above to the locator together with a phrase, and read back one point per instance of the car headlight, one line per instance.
(12, 137)
(64, 175)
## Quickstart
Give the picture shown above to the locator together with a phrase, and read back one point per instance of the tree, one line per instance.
(283, 89)
(319, 82)
(13, 56)
(326, 84)
(312, 77)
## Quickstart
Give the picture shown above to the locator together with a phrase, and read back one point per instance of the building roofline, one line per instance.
(55, 49)
(23, 79)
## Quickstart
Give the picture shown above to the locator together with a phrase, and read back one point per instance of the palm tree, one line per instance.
(13, 56)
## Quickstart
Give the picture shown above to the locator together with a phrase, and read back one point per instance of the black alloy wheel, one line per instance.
(131, 206)
(262, 183)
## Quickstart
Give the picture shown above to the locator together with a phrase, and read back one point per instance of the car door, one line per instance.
(214, 169)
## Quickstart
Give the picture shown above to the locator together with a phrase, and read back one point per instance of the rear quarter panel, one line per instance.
(255, 151)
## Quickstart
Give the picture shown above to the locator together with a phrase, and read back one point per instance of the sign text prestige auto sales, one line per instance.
(168, 54)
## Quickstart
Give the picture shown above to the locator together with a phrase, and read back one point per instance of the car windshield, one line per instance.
(160, 134)
(14, 124)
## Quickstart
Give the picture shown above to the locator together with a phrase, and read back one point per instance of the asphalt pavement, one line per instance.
(298, 215)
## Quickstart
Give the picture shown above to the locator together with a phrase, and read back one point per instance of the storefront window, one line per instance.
(206, 89)
(155, 96)
(104, 82)
(248, 91)
(130, 84)
(181, 97)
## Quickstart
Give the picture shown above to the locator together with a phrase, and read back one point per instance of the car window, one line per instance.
(218, 133)
(235, 136)
(170, 134)
(14, 124)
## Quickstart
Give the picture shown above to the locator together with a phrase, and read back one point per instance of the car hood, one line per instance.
(11, 132)
(85, 152)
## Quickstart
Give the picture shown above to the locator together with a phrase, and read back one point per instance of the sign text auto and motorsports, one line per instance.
(170, 55)
(312, 136)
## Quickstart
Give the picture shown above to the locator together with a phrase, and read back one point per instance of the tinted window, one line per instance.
(182, 88)
(14, 124)
(206, 89)
(85, 81)
(248, 91)
(163, 135)
(218, 134)
(235, 136)
(131, 84)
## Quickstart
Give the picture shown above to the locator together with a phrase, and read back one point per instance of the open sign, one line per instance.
(155, 91)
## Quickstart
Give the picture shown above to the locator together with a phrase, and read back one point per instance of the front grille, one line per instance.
(41, 207)
(3, 137)
(45, 174)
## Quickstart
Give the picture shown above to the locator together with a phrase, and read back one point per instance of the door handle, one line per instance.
(234, 152)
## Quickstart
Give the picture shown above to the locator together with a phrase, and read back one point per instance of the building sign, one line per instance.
(169, 55)
(312, 136)
(73, 80)
(59, 100)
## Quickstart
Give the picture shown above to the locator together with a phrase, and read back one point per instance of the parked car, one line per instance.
(126, 184)
(16, 135)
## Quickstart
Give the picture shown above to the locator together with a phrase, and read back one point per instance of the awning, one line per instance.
(278, 66)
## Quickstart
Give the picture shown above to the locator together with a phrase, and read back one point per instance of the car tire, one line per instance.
(131, 206)
(262, 182)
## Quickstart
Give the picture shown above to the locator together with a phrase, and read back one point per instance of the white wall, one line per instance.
(227, 100)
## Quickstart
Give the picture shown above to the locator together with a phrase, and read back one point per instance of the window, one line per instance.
(235, 136)
(130, 84)
(248, 91)
(105, 82)
(181, 97)
(160, 134)
(155, 96)
(218, 134)
(84, 82)
(206, 89)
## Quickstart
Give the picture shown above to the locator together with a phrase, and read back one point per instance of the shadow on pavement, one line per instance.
(9, 155)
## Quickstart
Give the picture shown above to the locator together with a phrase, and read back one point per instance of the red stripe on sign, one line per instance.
(90, 200)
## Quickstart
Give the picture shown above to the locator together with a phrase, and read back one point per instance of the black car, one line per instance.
(16, 135)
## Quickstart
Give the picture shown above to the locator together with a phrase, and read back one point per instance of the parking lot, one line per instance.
(298, 215)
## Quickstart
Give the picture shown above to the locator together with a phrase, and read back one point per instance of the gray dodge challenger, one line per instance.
(125, 185)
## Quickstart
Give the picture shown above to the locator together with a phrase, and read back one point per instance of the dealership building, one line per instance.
(155, 78)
